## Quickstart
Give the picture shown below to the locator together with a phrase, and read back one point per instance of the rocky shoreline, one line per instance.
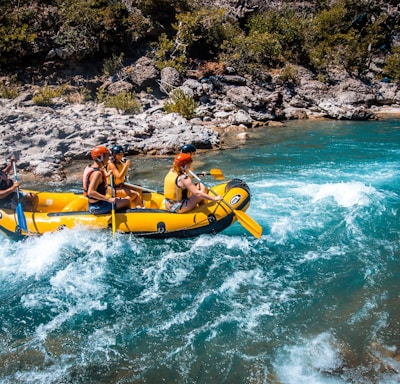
(50, 138)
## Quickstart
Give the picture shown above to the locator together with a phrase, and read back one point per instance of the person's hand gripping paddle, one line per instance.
(244, 219)
(21, 219)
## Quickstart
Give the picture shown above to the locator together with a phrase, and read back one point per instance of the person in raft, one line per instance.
(118, 167)
(8, 191)
(191, 150)
(181, 194)
(95, 185)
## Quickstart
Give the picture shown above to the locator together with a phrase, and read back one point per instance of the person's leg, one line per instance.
(120, 192)
(139, 198)
(122, 204)
(189, 204)
(134, 196)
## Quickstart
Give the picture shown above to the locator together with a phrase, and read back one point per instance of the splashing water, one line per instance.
(315, 300)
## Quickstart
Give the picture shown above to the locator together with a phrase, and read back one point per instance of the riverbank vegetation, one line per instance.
(252, 36)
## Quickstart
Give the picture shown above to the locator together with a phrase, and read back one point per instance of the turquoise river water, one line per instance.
(315, 300)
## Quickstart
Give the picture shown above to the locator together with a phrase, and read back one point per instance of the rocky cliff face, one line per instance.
(50, 137)
(229, 103)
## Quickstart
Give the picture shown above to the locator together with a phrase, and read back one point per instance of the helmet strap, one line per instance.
(100, 159)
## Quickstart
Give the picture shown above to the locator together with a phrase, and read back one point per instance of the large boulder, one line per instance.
(114, 88)
(244, 97)
(352, 91)
(170, 79)
(143, 73)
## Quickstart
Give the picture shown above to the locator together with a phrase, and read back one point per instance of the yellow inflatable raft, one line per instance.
(57, 210)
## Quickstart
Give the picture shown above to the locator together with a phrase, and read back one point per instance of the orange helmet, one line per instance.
(98, 152)
(182, 159)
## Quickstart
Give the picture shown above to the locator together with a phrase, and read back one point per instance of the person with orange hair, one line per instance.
(95, 185)
(180, 193)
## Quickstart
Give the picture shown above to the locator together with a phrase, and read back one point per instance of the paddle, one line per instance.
(113, 224)
(140, 187)
(21, 219)
(216, 173)
(244, 219)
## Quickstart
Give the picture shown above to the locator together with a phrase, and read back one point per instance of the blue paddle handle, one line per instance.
(20, 210)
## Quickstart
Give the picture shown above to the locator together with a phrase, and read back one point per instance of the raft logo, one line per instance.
(235, 199)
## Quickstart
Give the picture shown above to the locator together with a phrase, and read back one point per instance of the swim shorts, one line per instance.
(173, 205)
(100, 207)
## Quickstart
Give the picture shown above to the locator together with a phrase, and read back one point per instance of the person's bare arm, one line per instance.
(117, 174)
(6, 192)
(194, 190)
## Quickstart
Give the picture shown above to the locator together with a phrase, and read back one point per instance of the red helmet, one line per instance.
(182, 159)
(99, 152)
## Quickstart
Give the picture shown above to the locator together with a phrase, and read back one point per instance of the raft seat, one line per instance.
(49, 205)
(77, 205)
(152, 201)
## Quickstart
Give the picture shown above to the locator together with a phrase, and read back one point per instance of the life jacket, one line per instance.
(117, 181)
(171, 189)
(5, 182)
(101, 188)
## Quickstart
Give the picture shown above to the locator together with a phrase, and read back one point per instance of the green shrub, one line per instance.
(112, 65)
(289, 75)
(285, 27)
(253, 52)
(101, 95)
(8, 92)
(78, 96)
(204, 30)
(392, 65)
(197, 33)
(124, 102)
(318, 34)
(181, 103)
(269, 40)
(166, 56)
(45, 95)
(324, 34)
(347, 34)
(17, 30)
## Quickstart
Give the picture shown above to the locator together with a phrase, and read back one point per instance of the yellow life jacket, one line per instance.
(171, 190)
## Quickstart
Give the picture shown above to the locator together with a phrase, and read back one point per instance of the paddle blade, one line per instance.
(249, 223)
(217, 174)
(21, 219)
